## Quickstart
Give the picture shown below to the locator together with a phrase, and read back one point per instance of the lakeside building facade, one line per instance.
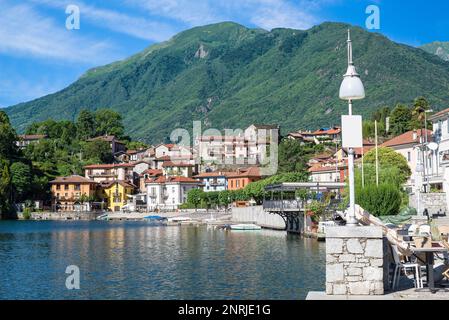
(213, 181)
(116, 194)
(110, 172)
(242, 177)
(168, 193)
(68, 193)
(330, 171)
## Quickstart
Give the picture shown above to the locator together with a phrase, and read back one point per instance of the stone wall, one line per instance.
(257, 215)
(354, 261)
(434, 202)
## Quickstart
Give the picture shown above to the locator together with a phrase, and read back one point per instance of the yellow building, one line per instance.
(116, 194)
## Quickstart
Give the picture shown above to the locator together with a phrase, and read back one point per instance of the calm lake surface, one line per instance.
(135, 260)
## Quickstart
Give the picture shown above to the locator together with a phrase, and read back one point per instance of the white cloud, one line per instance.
(266, 14)
(136, 26)
(190, 12)
(25, 32)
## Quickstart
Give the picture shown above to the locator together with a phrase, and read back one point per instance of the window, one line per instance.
(238, 184)
(58, 187)
(66, 187)
(77, 187)
(409, 156)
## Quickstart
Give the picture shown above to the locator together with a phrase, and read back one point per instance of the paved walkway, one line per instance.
(409, 294)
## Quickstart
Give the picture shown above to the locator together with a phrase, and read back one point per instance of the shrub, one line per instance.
(384, 200)
(27, 214)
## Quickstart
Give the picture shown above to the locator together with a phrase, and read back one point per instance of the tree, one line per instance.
(400, 119)
(109, 122)
(293, 156)
(98, 151)
(389, 158)
(8, 138)
(225, 198)
(5, 188)
(384, 200)
(194, 197)
(85, 125)
(21, 179)
(420, 106)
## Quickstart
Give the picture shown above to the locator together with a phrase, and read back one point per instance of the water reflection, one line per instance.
(134, 260)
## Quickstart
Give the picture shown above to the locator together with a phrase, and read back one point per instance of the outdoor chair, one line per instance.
(401, 266)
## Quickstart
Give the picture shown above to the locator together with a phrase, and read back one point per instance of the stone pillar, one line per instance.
(354, 261)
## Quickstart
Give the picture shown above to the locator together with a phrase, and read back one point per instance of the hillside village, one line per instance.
(160, 177)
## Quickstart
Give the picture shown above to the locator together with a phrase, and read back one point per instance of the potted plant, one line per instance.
(316, 210)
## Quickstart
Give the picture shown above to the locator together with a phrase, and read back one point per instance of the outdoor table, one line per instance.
(430, 261)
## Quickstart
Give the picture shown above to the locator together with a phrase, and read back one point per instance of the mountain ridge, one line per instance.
(229, 76)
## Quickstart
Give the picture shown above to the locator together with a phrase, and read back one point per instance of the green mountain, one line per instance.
(229, 76)
(441, 49)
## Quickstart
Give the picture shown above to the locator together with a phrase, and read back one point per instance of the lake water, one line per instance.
(135, 260)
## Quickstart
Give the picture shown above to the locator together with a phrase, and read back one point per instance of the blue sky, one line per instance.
(38, 55)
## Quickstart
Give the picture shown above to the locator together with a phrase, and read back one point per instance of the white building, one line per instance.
(440, 157)
(247, 147)
(407, 144)
(213, 181)
(110, 172)
(168, 193)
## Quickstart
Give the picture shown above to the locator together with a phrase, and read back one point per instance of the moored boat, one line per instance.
(246, 227)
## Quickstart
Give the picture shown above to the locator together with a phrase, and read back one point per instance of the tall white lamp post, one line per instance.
(351, 89)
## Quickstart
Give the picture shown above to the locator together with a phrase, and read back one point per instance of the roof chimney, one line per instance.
(415, 135)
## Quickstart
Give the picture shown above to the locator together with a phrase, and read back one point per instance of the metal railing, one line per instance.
(282, 205)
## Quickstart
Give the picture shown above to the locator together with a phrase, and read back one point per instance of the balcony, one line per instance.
(282, 205)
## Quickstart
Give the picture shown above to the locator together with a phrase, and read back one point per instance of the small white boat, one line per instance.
(245, 227)
(179, 219)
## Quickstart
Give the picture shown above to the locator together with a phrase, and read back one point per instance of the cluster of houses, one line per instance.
(160, 177)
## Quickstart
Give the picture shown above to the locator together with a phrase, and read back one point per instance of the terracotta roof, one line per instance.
(152, 172)
(72, 179)
(212, 174)
(32, 136)
(322, 156)
(163, 179)
(328, 168)
(331, 131)
(407, 138)
(176, 164)
(125, 184)
(110, 166)
(103, 138)
(247, 172)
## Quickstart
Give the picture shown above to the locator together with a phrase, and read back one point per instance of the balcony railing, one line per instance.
(282, 205)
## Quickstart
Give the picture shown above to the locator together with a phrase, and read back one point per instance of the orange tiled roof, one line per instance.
(72, 179)
(110, 166)
(163, 179)
(212, 174)
(247, 172)
(176, 164)
(152, 172)
(407, 138)
(32, 136)
(125, 184)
